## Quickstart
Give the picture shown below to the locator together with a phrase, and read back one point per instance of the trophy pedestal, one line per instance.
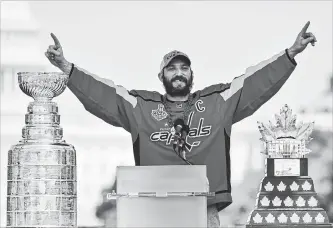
(162, 196)
(291, 226)
(286, 199)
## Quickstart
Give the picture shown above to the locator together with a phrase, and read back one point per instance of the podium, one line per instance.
(162, 196)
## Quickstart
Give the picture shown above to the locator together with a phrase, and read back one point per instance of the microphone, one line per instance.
(179, 125)
(181, 128)
(181, 131)
(184, 133)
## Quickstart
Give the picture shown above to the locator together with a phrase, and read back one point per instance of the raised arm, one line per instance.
(99, 96)
(259, 83)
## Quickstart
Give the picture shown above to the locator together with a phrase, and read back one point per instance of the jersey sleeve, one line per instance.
(248, 92)
(102, 98)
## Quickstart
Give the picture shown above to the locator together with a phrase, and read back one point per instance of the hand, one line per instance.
(302, 40)
(56, 56)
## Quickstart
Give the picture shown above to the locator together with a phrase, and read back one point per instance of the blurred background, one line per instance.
(125, 42)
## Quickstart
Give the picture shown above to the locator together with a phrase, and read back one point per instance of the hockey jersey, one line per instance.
(213, 112)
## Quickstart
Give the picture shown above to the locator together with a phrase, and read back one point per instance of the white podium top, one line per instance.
(174, 178)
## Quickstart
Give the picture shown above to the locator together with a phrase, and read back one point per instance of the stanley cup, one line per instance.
(41, 181)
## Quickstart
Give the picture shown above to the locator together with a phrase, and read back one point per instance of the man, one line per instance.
(181, 127)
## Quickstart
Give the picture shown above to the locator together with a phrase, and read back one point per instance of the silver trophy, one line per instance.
(287, 197)
(41, 181)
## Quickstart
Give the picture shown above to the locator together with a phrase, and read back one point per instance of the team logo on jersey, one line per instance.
(179, 105)
(159, 113)
(192, 139)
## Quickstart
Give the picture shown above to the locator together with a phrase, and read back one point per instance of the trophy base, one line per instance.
(290, 226)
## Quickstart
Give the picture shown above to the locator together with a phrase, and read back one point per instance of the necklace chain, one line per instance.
(185, 113)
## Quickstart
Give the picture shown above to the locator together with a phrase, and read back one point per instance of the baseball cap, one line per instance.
(170, 56)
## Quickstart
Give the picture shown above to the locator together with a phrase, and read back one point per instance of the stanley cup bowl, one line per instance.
(42, 85)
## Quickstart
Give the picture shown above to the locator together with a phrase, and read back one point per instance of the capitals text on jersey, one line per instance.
(196, 132)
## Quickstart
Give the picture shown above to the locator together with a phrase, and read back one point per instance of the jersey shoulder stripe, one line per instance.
(210, 90)
(147, 95)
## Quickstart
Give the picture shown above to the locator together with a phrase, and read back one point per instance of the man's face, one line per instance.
(177, 77)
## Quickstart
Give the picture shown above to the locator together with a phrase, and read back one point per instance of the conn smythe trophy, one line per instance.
(287, 197)
(41, 181)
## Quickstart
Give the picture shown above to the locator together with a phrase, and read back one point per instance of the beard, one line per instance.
(175, 91)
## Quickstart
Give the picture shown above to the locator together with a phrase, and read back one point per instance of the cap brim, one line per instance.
(179, 56)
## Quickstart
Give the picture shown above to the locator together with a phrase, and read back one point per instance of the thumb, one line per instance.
(307, 40)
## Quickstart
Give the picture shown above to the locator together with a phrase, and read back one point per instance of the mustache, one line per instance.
(180, 78)
(175, 91)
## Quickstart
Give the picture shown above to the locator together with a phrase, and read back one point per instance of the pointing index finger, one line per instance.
(56, 41)
(305, 28)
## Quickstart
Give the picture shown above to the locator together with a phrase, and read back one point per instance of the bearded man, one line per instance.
(155, 120)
